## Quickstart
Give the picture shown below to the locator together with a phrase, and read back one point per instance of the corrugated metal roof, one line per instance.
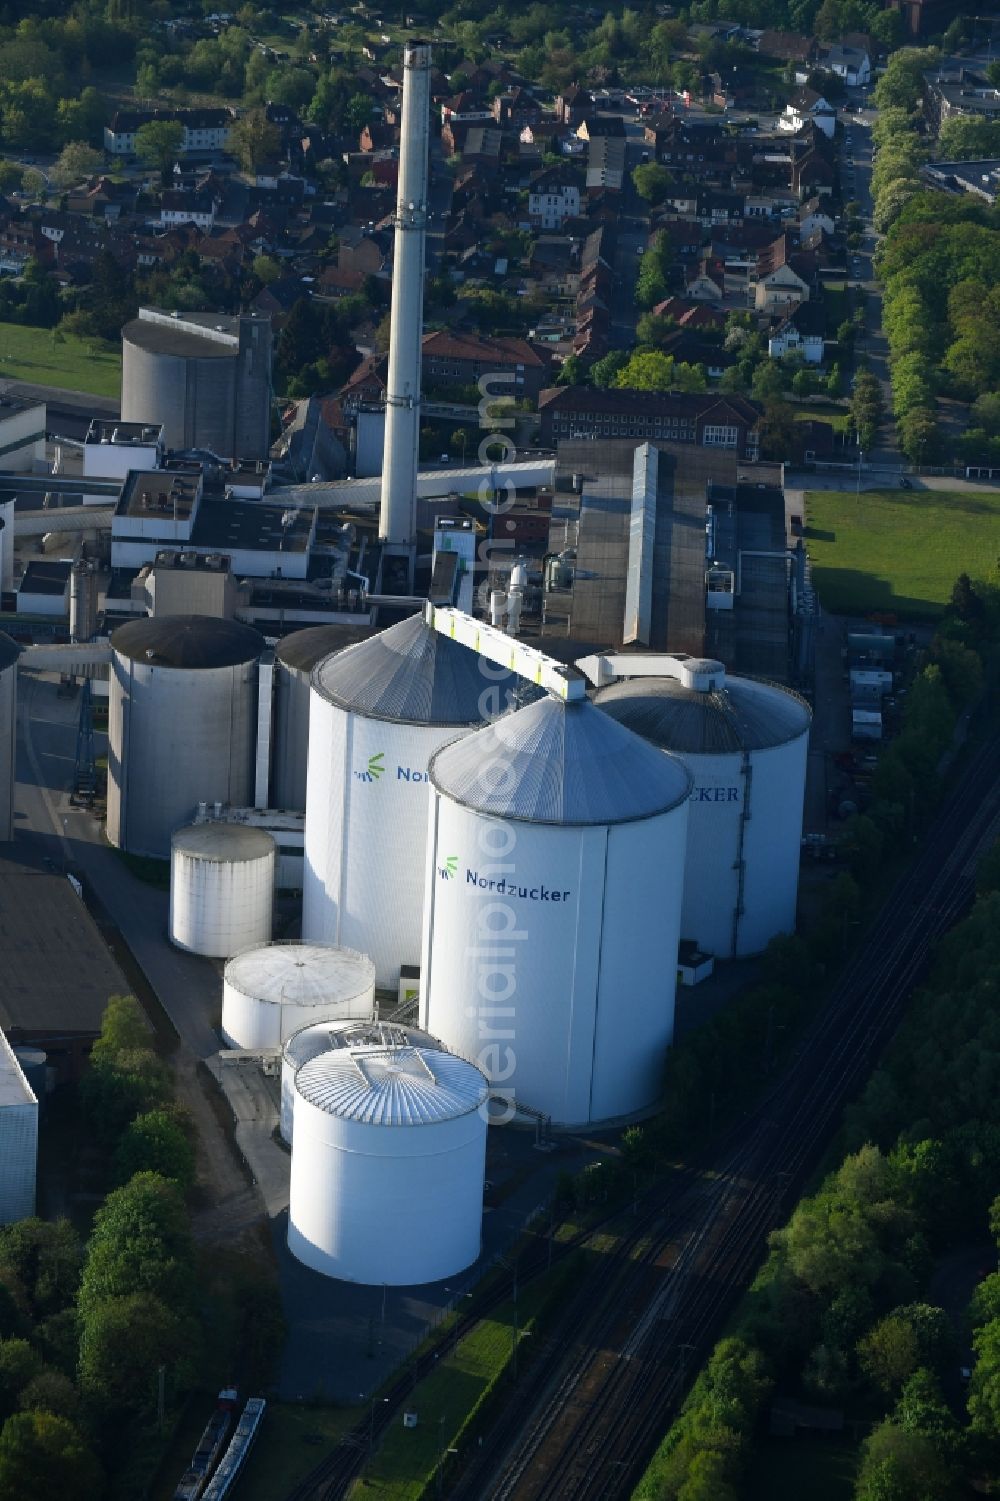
(414, 675)
(327, 1036)
(9, 652)
(392, 1086)
(223, 842)
(303, 974)
(556, 762)
(744, 715)
(188, 641)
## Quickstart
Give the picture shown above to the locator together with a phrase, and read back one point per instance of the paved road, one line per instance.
(188, 987)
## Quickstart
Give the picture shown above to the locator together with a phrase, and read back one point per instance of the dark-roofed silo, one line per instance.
(182, 725)
(294, 659)
(9, 653)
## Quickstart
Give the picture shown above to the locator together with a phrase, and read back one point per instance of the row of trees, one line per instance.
(840, 1312)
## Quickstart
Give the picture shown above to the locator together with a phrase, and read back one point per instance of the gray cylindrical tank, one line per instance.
(182, 725)
(206, 377)
(294, 659)
(9, 653)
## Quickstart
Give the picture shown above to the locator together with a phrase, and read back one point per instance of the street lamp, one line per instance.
(860, 457)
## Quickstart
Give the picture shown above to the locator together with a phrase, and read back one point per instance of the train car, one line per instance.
(232, 1462)
(195, 1478)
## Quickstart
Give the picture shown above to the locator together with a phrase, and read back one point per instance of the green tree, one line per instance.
(266, 269)
(51, 1391)
(19, 1364)
(572, 372)
(984, 1388)
(44, 1256)
(158, 144)
(652, 182)
(124, 1342)
(141, 1242)
(75, 162)
(45, 1455)
(652, 370)
(768, 383)
(157, 1142)
(603, 371)
(777, 429)
(254, 141)
(124, 1028)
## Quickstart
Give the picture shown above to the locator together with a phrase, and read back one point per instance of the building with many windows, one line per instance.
(205, 130)
(708, 419)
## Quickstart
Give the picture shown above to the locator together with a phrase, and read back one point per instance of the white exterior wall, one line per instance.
(363, 881)
(218, 907)
(22, 438)
(18, 1139)
(399, 1205)
(255, 1022)
(114, 460)
(772, 831)
(574, 1011)
(8, 749)
(176, 738)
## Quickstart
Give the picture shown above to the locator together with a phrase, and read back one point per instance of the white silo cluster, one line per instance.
(387, 1164)
(322, 1036)
(182, 724)
(554, 880)
(272, 991)
(379, 711)
(221, 888)
(746, 746)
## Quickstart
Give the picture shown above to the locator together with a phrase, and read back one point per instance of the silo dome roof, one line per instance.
(9, 652)
(329, 1036)
(303, 649)
(302, 974)
(556, 762)
(414, 674)
(188, 641)
(395, 1086)
(744, 715)
(223, 842)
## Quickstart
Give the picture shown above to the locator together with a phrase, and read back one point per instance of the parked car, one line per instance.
(905, 484)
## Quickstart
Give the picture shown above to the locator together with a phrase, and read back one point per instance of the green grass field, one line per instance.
(838, 417)
(30, 354)
(898, 550)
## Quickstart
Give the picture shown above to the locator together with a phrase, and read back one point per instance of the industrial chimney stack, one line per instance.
(397, 521)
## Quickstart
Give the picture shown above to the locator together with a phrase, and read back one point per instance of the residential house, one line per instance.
(802, 331)
(554, 196)
(807, 105)
(923, 17)
(813, 216)
(483, 147)
(461, 359)
(573, 104)
(709, 420)
(367, 252)
(180, 207)
(788, 47)
(959, 91)
(515, 109)
(704, 283)
(205, 130)
(607, 162)
(852, 64)
(779, 287)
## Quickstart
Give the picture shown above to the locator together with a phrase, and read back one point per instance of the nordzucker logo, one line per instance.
(374, 769)
(502, 887)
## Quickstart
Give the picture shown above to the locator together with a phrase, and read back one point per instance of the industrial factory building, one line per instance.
(204, 377)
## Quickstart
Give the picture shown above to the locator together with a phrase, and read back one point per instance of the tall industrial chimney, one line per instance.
(397, 521)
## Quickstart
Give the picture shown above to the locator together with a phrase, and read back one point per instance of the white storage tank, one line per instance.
(552, 913)
(18, 1139)
(295, 656)
(746, 744)
(221, 888)
(388, 1165)
(182, 724)
(379, 711)
(9, 653)
(271, 991)
(323, 1037)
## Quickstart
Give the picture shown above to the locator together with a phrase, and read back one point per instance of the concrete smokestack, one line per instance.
(397, 521)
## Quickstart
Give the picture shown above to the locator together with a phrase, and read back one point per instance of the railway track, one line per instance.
(596, 1399)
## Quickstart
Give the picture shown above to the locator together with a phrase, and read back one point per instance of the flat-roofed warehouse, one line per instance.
(56, 971)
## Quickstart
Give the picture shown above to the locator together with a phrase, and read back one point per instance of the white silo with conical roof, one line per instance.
(554, 877)
(378, 712)
(746, 745)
